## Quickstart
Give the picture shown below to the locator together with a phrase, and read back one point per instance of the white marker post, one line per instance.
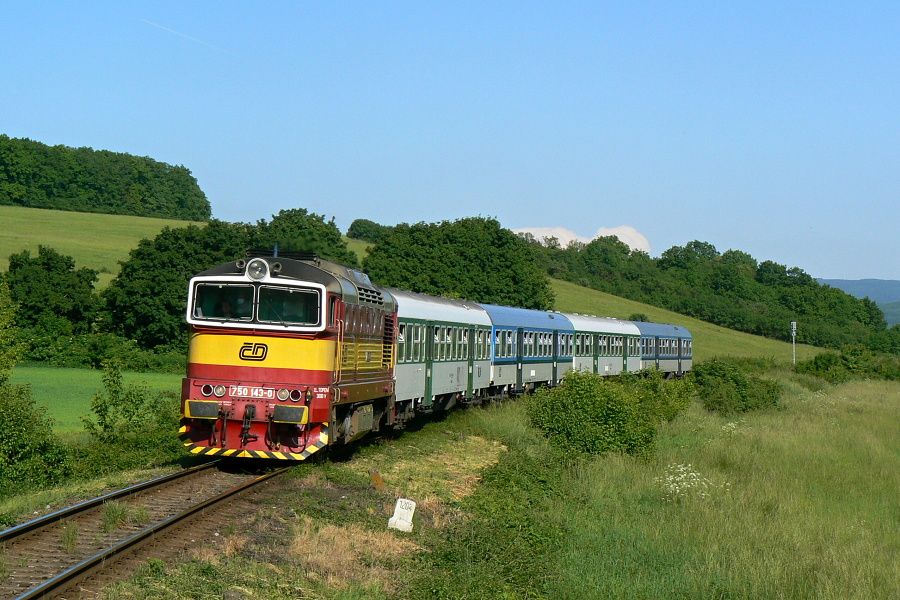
(403, 515)
(794, 342)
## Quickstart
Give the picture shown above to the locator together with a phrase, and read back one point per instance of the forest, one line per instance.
(729, 288)
(36, 175)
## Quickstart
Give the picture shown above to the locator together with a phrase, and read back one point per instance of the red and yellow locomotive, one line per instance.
(287, 355)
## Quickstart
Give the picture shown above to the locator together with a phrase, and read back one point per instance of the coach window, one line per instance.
(401, 343)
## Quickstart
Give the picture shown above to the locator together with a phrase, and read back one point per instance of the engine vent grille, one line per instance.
(370, 296)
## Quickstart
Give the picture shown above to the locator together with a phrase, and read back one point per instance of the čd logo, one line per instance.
(251, 351)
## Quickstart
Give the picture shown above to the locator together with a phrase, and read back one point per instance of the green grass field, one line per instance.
(67, 392)
(96, 241)
(799, 502)
(709, 340)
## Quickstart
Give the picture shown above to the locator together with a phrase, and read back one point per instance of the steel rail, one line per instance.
(64, 513)
(84, 568)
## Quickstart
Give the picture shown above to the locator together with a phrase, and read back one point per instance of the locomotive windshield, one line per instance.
(235, 302)
(292, 306)
(220, 301)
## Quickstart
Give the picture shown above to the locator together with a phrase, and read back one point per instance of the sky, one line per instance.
(768, 127)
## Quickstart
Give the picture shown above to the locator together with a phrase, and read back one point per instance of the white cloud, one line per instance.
(626, 233)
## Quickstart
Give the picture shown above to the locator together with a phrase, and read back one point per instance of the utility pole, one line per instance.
(794, 342)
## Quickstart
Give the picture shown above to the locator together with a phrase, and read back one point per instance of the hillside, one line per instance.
(891, 312)
(100, 241)
(880, 291)
(96, 241)
(709, 340)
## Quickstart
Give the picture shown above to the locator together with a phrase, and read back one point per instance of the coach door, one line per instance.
(555, 357)
(519, 344)
(470, 356)
(429, 365)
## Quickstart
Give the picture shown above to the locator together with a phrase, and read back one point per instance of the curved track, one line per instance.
(50, 554)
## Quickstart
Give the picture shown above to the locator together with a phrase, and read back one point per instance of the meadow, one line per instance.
(97, 241)
(795, 502)
(67, 393)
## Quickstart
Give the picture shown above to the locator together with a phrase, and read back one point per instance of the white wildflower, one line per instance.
(681, 481)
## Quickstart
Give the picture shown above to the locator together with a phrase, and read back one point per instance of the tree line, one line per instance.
(35, 175)
(139, 317)
(728, 288)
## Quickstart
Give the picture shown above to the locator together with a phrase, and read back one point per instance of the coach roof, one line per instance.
(506, 316)
(411, 305)
(662, 330)
(602, 325)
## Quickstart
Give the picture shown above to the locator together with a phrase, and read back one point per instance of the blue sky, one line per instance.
(769, 128)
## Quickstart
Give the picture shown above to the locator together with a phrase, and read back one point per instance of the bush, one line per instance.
(853, 362)
(122, 412)
(726, 388)
(593, 414)
(30, 454)
(131, 428)
(93, 350)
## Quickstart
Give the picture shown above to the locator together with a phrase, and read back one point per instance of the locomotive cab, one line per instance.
(268, 372)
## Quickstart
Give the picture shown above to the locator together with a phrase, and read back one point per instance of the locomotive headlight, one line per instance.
(283, 394)
(257, 269)
(296, 395)
(219, 390)
(206, 389)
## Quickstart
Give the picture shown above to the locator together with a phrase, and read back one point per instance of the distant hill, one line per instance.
(95, 241)
(881, 291)
(891, 312)
(36, 175)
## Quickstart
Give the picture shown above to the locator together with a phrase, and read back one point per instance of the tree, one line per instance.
(11, 348)
(370, 231)
(297, 230)
(51, 293)
(146, 302)
(473, 258)
(81, 179)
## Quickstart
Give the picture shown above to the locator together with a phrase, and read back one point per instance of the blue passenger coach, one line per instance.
(668, 348)
(528, 347)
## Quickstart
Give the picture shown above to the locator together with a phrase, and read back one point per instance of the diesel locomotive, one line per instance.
(289, 354)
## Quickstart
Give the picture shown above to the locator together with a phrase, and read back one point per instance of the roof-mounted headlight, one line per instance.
(257, 269)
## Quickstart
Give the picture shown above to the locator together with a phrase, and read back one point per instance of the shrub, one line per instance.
(593, 414)
(121, 411)
(726, 388)
(666, 399)
(130, 428)
(30, 454)
(853, 362)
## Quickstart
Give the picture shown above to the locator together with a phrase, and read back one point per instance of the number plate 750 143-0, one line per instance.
(244, 391)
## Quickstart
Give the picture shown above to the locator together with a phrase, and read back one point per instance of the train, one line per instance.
(289, 355)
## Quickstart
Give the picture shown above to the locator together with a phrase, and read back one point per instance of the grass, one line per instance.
(24, 506)
(709, 340)
(67, 392)
(798, 502)
(358, 247)
(68, 538)
(97, 241)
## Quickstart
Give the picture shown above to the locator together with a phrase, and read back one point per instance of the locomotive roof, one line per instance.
(662, 330)
(413, 305)
(507, 316)
(602, 324)
(352, 285)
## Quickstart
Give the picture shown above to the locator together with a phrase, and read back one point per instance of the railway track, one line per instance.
(50, 555)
